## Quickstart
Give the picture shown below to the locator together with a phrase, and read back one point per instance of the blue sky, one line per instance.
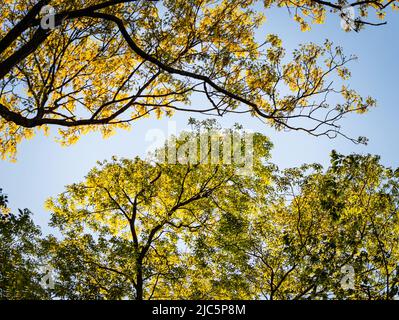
(44, 167)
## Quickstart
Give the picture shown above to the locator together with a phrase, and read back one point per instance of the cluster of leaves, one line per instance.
(20, 253)
(314, 223)
(143, 230)
(306, 12)
(108, 63)
(143, 215)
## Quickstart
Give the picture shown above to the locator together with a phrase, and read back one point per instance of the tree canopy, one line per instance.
(128, 224)
(314, 225)
(139, 229)
(207, 215)
(99, 65)
(20, 255)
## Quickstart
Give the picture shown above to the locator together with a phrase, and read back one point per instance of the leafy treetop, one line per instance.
(108, 63)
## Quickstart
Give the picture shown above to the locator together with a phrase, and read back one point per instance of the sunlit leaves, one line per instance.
(111, 66)
(145, 218)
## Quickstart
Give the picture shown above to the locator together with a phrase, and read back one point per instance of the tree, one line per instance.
(314, 227)
(135, 229)
(128, 225)
(99, 65)
(201, 229)
(20, 273)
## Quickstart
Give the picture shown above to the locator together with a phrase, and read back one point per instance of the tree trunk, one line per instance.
(139, 281)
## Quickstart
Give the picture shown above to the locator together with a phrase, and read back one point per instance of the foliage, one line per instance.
(139, 229)
(274, 235)
(312, 224)
(128, 224)
(20, 273)
(108, 63)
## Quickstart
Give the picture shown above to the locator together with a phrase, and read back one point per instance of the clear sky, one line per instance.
(44, 167)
